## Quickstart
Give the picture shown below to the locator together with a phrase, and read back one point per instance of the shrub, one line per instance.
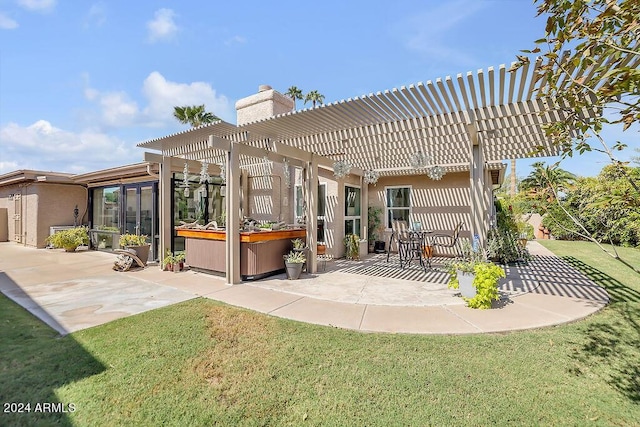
(69, 239)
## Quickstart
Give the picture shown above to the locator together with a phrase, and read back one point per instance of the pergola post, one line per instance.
(364, 214)
(478, 201)
(232, 203)
(311, 189)
(166, 209)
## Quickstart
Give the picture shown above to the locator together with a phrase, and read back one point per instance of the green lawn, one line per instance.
(205, 363)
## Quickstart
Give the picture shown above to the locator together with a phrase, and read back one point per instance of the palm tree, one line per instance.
(294, 93)
(546, 181)
(194, 115)
(315, 97)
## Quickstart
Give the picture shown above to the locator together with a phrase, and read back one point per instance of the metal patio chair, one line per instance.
(449, 240)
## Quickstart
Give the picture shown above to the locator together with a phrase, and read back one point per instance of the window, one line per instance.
(106, 208)
(398, 205)
(351, 210)
(321, 208)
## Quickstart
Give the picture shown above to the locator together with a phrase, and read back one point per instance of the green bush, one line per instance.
(133, 240)
(69, 239)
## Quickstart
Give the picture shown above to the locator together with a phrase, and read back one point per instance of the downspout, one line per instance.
(155, 175)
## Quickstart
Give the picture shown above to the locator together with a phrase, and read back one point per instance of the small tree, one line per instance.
(194, 115)
(601, 74)
(314, 97)
(295, 94)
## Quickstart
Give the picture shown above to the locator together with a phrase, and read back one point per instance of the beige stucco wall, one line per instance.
(56, 203)
(41, 206)
(262, 105)
(268, 197)
(438, 205)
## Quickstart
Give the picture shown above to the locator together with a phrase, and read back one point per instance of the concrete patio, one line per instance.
(74, 291)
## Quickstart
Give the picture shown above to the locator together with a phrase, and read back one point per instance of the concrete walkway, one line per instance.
(75, 291)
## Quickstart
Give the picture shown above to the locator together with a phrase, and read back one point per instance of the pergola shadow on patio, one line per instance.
(375, 281)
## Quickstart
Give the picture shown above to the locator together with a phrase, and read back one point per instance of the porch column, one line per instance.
(166, 209)
(479, 216)
(364, 216)
(232, 204)
(311, 187)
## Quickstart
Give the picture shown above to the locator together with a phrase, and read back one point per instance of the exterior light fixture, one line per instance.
(419, 160)
(341, 168)
(204, 173)
(185, 179)
(436, 172)
(371, 176)
(286, 169)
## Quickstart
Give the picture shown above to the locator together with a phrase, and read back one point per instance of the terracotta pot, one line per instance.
(322, 249)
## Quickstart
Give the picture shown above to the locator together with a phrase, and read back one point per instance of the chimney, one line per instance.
(262, 105)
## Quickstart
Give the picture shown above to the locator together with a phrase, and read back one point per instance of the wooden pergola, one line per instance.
(470, 122)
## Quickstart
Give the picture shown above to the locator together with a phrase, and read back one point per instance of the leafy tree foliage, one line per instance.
(601, 74)
(606, 205)
(314, 97)
(194, 115)
(294, 93)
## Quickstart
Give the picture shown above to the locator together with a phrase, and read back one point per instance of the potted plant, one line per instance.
(69, 239)
(168, 261)
(298, 245)
(179, 261)
(374, 229)
(138, 243)
(321, 248)
(293, 263)
(352, 246)
(476, 278)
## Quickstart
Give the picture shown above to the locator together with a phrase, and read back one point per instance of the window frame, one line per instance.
(388, 208)
(352, 218)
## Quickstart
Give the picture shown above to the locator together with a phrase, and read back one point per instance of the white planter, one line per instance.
(465, 284)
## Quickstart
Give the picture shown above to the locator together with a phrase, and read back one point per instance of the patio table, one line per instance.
(423, 249)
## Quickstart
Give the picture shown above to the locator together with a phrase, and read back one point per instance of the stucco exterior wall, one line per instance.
(268, 197)
(437, 205)
(262, 105)
(56, 203)
(39, 206)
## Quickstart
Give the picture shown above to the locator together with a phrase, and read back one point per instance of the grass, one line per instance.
(205, 363)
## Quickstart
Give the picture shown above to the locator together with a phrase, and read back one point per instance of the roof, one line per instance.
(380, 131)
(120, 172)
(28, 175)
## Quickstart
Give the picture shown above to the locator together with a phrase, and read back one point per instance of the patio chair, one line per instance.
(449, 240)
(409, 244)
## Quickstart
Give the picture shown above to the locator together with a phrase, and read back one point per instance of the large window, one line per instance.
(398, 204)
(106, 208)
(321, 211)
(351, 210)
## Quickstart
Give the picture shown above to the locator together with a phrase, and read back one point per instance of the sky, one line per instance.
(82, 82)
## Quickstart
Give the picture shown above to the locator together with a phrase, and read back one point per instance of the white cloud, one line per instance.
(429, 32)
(163, 95)
(96, 16)
(38, 5)
(7, 23)
(42, 146)
(162, 27)
(118, 110)
(235, 40)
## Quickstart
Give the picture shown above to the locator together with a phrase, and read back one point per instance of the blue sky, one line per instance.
(81, 82)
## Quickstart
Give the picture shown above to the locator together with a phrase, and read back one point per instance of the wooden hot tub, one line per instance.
(260, 251)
